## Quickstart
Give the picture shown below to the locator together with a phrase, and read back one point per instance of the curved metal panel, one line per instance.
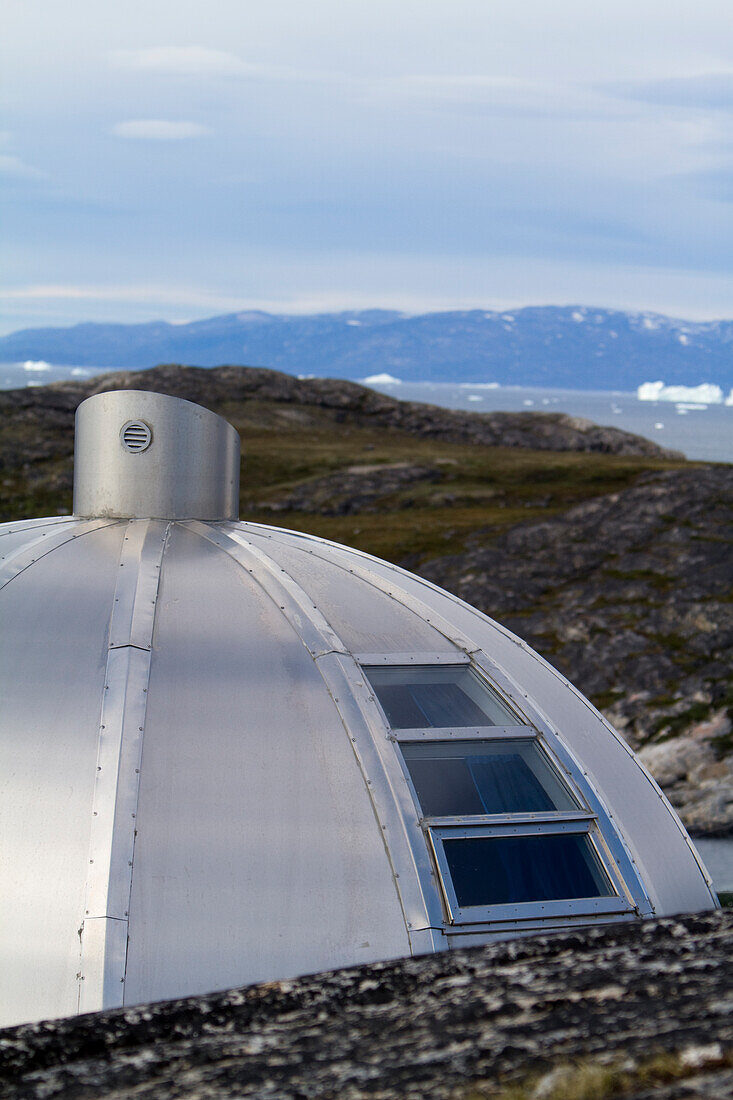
(185, 465)
(367, 620)
(27, 552)
(258, 854)
(343, 678)
(14, 535)
(55, 618)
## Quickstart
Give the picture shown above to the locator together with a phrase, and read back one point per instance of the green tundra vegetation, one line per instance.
(470, 492)
(481, 490)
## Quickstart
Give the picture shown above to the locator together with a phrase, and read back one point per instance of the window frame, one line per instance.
(510, 826)
(588, 819)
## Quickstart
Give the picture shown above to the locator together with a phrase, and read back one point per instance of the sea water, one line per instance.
(717, 855)
(702, 432)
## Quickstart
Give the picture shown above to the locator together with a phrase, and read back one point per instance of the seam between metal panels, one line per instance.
(25, 556)
(17, 527)
(615, 841)
(410, 603)
(104, 928)
(344, 681)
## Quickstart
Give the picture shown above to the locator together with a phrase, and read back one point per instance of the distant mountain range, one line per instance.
(574, 347)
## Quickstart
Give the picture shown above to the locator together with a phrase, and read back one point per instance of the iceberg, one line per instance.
(382, 380)
(36, 364)
(705, 394)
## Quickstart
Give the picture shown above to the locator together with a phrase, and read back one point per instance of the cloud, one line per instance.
(182, 60)
(138, 293)
(159, 129)
(200, 61)
(704, 91)
(10, 165)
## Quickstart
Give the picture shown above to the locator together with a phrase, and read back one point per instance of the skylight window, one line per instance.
(484, 777)
(510, 835)
(430, 698)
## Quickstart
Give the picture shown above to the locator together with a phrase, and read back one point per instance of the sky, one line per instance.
(174, 160)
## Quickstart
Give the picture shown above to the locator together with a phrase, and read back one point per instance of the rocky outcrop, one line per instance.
(641, 1010)
(629, 595)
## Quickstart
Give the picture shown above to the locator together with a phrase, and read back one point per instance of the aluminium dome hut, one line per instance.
(234, 753)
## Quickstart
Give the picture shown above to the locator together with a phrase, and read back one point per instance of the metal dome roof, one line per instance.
(235, 752)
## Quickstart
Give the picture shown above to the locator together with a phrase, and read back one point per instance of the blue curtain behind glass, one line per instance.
(507, 785)
(417, 706)
(511, 870)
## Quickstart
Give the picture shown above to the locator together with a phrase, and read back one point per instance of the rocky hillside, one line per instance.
(629, 595)
(639, 1012)
(222, 386)
(612, 557)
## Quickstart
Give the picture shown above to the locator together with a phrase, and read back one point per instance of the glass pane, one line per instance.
(484, 777)
(435, 698)
(511, 870)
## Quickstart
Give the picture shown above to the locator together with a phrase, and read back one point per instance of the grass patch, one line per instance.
(603, 700)
(587, 1079)
(676, 724)
(647, 576)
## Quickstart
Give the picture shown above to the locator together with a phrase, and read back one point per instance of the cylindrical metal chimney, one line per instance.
(147, 455)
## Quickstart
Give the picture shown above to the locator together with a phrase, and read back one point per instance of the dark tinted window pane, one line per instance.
(438, 697)
(445, 787)
(457, 778)
(506, 785)
(400, 707)
(418, 706)
(511, 870)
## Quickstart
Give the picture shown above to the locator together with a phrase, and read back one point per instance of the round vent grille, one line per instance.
(136, 436)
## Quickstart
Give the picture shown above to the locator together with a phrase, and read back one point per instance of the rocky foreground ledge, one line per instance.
(642, 1011)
